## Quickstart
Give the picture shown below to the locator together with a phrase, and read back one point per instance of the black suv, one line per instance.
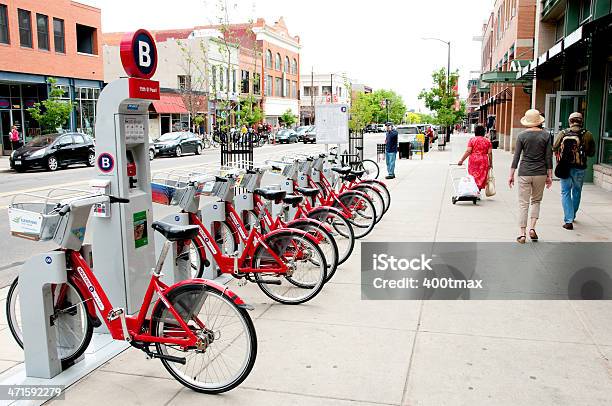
(54, 151)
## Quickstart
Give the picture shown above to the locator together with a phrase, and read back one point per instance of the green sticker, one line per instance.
(141, 237)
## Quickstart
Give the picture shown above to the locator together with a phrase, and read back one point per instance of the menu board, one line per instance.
(134, 130)
(331, 121)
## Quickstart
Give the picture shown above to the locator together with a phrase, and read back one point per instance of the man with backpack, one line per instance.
(572, 147)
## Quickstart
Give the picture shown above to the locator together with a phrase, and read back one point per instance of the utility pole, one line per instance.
(331, 88)
(312, 95)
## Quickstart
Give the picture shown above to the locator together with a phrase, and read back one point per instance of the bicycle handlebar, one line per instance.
(112, 199)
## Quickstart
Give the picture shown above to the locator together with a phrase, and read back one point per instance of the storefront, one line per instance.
(19, 92)
(169, 114)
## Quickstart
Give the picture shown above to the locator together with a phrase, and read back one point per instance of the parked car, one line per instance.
(408, 133)
(310, 135)
(301, 130)
(152, 150)
(54, 151)
(371, 128)
(178, 143)
(380, 128)
(286, 135)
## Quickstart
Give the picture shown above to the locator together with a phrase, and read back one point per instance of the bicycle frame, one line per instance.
(134, 326)
(251, 241)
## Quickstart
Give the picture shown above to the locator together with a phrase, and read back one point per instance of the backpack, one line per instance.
(571, 150)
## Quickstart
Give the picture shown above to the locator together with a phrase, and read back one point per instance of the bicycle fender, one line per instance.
(288, 230)
(319, 209)
(224, 290)
(297, 223)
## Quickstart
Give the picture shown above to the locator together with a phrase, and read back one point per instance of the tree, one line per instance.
(194, 83)
(250, 113)
(443, 103)
(361, 111)
(287, 118)
(54, 112)
(396, 106)
(413, 118)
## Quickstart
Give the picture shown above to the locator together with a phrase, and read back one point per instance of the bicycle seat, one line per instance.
(276, 195)
(344, 170)
(351, 177)
(359, 173)
(175, 232)
(308, 192)
(293, 200)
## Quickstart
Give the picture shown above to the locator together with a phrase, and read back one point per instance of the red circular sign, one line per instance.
(139, 54)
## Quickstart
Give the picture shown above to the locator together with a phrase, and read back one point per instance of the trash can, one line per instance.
(404, 149)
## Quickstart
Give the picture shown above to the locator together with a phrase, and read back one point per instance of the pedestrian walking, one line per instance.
(391, 150)
(14, 138)
(480, 154)
(534, 150)
(572, 147)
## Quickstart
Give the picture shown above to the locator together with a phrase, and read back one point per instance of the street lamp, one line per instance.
(448, 85)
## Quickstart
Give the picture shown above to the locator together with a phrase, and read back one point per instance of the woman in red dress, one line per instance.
(480, 152)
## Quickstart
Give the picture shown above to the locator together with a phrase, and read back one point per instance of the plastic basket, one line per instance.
(33, 221)
(171, 193)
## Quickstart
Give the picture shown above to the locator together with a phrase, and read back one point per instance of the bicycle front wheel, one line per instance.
(376, 196)
(340, 228)
(73, 328)
(225, 354)
(305, 260)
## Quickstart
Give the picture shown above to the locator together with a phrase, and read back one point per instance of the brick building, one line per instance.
(507, 46)
(42, 39)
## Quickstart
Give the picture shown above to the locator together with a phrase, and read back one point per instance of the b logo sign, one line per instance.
(139, 54)
(106, 162)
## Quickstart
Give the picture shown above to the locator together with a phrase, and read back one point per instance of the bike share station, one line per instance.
(122, 252)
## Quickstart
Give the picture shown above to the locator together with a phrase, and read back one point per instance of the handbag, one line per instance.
(490, 189)
(562, 170)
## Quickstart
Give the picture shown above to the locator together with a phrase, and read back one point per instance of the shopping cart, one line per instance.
(464, 185)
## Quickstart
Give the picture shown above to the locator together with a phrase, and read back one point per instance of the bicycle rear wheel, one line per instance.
(227, 349)
(382, 188)
(340, 228)
(73, 328)
(362, 210)
(307, 268)
(375, 196)
(325, 241)
(371, 167)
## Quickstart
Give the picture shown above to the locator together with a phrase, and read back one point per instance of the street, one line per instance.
(16, 250)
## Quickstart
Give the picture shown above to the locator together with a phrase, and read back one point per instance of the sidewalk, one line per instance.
(340, 350)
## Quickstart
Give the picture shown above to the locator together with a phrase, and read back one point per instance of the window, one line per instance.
(326, 90)
(221, 78)
(268, 85)
(294, 94)
(256, 83)
(278, 87)
(234, 80)
(269, 59)
(560, 28)
(582, 77)
(65, 140)
(606, 146)
(214, 78)
(585, 10)
(86, 39)
(277, 62)
(244, 81)
(79, 139)
(25, 28)
(287, 88)
(311, 91)
(286, 66)
(294, 69)
(42, 30)
(59, 35)
(184, 82)
(4, 28)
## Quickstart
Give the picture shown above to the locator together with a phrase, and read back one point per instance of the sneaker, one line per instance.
(568, 226)
(390, 177)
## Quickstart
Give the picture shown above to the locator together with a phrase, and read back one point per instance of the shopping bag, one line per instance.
(467, 187)
(490, 189)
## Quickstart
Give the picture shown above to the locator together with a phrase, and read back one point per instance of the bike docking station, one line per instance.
(123, 247)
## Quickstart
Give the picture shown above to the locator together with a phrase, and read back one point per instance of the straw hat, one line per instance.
(532, 118)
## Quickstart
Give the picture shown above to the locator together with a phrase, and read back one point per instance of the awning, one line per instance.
(500, 77)
(170, 104)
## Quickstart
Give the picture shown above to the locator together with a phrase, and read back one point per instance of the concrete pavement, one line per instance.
(340, 350)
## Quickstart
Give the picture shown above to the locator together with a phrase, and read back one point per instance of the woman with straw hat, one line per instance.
(534, 150)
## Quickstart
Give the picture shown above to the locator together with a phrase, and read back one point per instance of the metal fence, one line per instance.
(355, 150)
(237, 148)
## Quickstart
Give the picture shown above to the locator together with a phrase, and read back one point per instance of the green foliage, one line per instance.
(198, 120)
(361, 111)
(397, 108)
(287, 118)
(54, 112)
(439, 100)
(250, 113)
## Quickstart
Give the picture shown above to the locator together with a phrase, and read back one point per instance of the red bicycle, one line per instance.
(199, 330)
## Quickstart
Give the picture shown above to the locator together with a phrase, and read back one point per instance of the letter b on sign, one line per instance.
(139, 54)
(144, 54)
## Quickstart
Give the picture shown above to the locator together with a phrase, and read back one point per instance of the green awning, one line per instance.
(500, 77)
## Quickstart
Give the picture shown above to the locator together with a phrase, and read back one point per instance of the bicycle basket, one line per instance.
(33, 221)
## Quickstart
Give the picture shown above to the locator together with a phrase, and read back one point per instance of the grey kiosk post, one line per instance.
(123, 242)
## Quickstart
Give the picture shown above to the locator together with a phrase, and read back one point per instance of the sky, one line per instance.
(378, 43)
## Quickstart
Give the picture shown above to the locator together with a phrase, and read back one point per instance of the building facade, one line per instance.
(43, 39)
(507, 45)
(322, 88)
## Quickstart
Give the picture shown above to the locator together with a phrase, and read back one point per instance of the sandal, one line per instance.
(521, 239)
(533, 235)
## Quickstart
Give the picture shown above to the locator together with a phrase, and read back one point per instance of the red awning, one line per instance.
(169, 104)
